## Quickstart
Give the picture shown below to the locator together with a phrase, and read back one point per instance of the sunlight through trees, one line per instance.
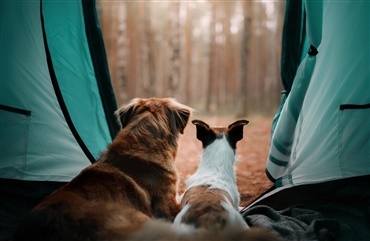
(217, 56)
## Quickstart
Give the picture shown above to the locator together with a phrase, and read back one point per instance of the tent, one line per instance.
(56, 100)
(324, 127)
(319, 155)
(56, 105)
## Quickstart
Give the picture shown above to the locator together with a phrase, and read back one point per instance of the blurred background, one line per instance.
(219, 57)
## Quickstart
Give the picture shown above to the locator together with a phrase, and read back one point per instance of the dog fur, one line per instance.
(133, 181)
(211, 200)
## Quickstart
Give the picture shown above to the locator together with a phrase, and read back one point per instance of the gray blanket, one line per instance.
(294, 223)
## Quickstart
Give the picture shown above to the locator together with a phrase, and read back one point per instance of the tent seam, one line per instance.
(58, 93)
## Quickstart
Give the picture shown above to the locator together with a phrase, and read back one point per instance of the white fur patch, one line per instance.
(179, 197)
(178, 219)
(216, 169)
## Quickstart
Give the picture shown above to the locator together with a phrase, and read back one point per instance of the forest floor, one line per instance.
(251, 155)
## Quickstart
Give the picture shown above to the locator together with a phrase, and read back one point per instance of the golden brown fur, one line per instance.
(133, 180)
(206, 208)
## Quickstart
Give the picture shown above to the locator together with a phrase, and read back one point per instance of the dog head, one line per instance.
(164, 116)
(207, 134)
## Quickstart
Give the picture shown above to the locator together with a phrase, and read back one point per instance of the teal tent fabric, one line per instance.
(293, 43)
(52, 120)
(56, 100)
(26, 84)
(319, 157)
(294, 49)
(323, 132)
(74, 71)
(99, 59)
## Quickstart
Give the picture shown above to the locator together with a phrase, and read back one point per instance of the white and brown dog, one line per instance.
(210, 203)
(133, 181)
(211, 199)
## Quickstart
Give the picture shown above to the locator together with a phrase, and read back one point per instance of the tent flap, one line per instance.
(323, 132)
(47, 73)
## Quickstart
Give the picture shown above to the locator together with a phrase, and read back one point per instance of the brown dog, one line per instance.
(133, 180)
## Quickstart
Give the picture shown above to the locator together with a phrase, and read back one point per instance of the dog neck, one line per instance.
(216, 169)
(129, 143)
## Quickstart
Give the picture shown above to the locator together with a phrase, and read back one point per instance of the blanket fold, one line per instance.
(293, 223)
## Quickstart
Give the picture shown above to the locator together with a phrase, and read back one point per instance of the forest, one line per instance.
(220, 57)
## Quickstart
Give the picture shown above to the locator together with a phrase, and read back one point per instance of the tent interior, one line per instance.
(55, 89)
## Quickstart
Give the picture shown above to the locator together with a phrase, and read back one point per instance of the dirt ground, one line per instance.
(251, 155)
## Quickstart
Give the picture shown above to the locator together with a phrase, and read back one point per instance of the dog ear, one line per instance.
(124, 113)
(204, 133)
(181, 114)
(182, 119)
(235, 131)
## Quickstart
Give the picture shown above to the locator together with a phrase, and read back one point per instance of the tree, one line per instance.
(175, 46)
(215, 55)
(188, 55)
(211, 63)
(244, 57)
(146, 71)
(133, 39)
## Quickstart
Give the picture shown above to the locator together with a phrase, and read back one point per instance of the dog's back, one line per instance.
(208, 208)
(211, 199)
(87, 207)
(210, 202)
(134, 180)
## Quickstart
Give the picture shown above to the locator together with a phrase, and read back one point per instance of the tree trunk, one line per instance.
(211, 60)
(244, 55)
(188, 55)
(133, 49)
(175, 46)
(122, 55)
